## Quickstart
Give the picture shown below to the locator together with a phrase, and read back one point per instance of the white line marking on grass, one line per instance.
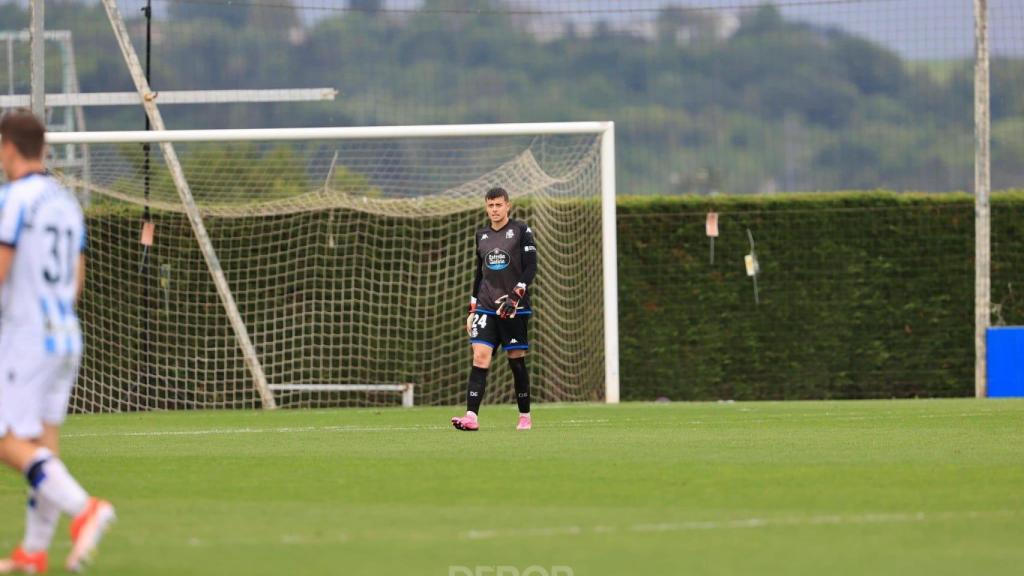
(230, 431)
(302, 540)
(301, 430)
(826, 417)
(754, 523)
(745, 523)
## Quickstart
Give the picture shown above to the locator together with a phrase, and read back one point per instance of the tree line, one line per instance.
(768, 104)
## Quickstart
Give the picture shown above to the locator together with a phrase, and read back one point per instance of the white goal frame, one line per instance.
(605, 130)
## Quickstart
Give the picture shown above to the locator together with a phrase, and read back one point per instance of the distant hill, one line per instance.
(706, 101)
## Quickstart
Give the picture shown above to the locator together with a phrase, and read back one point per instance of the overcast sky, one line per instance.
(919, 29)
(915, 28)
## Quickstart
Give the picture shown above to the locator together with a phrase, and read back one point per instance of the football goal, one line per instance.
(332, 266)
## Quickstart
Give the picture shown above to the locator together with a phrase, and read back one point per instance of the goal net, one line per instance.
(349, 253)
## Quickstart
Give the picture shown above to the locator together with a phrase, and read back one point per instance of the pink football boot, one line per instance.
(468, 423)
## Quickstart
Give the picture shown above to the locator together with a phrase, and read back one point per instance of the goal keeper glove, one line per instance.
(508, 304)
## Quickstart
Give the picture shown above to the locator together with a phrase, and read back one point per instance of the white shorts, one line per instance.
(34, 390)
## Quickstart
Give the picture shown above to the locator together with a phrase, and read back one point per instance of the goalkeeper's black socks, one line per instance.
(477, 383)
(522, 380)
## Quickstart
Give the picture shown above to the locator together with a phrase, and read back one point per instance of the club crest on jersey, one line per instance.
(510, 234)
(497, 259)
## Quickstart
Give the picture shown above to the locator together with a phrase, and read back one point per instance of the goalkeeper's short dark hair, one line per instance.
(496, 192)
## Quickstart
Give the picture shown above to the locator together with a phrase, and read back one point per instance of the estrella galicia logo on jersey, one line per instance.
(497, 259)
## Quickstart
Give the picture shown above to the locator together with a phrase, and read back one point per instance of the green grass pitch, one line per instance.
(881, 487)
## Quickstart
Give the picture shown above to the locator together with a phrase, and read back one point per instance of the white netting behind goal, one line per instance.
(351, 263)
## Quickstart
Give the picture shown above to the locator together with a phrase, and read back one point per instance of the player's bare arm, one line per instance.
(80, 273)
(478, 277)
(6, 258)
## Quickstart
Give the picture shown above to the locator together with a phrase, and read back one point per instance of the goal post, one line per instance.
(318, 231)
(610, 259)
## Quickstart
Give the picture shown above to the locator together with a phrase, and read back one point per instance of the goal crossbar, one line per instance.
(328, 133)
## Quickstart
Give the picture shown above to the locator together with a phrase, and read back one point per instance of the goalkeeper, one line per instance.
(499, 309)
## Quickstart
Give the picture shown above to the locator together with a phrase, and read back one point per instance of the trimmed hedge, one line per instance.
(862, 295)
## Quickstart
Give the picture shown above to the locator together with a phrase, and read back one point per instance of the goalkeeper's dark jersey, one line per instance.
(504, 258)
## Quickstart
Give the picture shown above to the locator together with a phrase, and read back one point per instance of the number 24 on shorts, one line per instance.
(479, 321)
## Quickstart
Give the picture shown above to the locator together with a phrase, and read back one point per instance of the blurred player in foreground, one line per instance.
(42, 273)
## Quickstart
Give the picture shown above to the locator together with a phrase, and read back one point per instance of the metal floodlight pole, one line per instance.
(38, 51)
(191, 209)
(982, 207)
(147, 218)
(148, 12)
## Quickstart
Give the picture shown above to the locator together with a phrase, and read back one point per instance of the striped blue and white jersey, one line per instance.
(44, 224)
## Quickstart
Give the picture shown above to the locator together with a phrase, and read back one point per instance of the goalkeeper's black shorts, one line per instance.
(490, 330)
